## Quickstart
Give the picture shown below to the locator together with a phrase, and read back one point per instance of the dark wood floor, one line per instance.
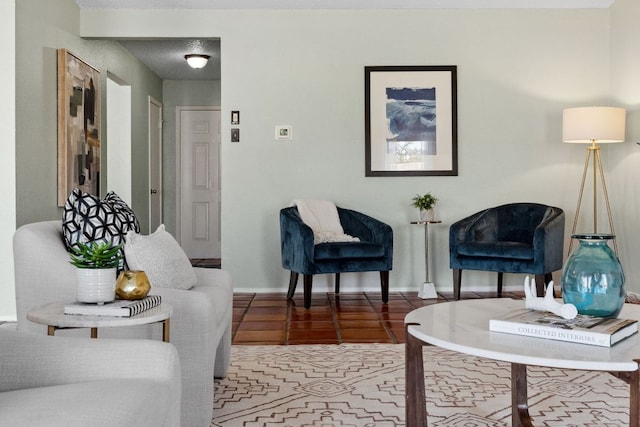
(206, 262)
(332, 319)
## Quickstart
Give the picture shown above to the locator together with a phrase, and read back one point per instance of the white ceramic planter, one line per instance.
(427, 215)
(95, 285)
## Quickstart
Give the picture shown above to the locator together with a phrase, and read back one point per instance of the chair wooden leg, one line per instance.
(500, 277)
(548, 278)
(308, 282)
(457, 281)
(384, 285)
(337, 283)
(293, 282)
(540, 284)
(542, 280)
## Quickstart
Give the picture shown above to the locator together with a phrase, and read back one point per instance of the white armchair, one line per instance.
(76, 382)
(200, 324)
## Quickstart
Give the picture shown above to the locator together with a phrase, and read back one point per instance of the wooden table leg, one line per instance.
(634, 396)
(633, 379)
(519, 405)
(94, 332)
(51, 330)
(166, 330)
(415, 399)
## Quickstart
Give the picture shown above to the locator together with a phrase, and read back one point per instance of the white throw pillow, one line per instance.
(161, 258)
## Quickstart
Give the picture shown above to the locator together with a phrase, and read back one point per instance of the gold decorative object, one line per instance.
(132, 285)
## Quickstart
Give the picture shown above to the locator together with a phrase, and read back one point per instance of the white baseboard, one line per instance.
(321, 287)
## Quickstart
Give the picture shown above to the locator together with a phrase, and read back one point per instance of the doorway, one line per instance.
(199, 201)
(119, 138)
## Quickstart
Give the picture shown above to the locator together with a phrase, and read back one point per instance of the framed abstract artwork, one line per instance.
(78, 126)
(411, 121)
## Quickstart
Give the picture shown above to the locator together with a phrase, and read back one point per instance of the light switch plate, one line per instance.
(284, 132)
(235, 135)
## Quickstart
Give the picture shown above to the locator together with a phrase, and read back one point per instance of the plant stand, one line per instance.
(427, 289)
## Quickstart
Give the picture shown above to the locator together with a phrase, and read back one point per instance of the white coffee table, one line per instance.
(53, 316)
(463, 326)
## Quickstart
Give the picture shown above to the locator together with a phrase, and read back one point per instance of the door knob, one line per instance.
(154, 191)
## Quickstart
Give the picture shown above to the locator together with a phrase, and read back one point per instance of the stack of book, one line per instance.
(600, 331)
(117, 308)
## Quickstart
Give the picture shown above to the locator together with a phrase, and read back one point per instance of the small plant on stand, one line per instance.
(425, 205)
(95, 255)
(97, 264)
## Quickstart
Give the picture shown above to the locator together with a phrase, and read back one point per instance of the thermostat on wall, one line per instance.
(284, 132)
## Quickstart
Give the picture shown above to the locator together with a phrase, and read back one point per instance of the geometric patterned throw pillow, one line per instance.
(87, 219)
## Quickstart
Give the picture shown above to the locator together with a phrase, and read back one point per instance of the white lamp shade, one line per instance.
(586, 124)
(197, 61)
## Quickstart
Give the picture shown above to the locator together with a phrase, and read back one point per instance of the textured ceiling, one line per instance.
(166, 57)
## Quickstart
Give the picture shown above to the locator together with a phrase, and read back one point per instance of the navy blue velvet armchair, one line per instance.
(374, 251)
(514, 238)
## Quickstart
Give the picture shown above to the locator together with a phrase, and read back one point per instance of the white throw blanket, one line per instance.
(322, 217)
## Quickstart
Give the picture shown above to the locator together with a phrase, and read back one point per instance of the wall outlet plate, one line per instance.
(284, 132)
(235, 135)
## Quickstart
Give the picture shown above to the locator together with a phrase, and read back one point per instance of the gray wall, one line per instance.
(517, 70)
(41, 28)
(7, 156)
(623, 160)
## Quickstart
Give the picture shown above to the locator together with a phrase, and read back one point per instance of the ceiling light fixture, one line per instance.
(197, 60)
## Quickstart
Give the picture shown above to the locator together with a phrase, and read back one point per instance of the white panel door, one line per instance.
(200, 183)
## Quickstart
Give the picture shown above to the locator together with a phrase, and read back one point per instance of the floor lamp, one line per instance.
(593, 125)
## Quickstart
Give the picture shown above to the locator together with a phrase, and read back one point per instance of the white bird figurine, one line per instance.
(548, 303)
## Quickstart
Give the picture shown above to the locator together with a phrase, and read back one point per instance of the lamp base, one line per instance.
(427, 291)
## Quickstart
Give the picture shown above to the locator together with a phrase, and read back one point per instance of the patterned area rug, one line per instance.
(362, 385)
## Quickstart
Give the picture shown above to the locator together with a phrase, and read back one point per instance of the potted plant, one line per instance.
(97, 263)
(425, 205)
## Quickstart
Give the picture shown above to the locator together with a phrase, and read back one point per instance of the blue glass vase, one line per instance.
(593, 279)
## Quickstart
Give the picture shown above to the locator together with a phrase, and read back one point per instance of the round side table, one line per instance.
(53, 316)
(428, 288)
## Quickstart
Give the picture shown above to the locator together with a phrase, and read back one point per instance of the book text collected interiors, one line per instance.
(599, 331)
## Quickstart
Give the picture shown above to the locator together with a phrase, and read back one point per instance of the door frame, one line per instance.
(179, 110)
(152, 100)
